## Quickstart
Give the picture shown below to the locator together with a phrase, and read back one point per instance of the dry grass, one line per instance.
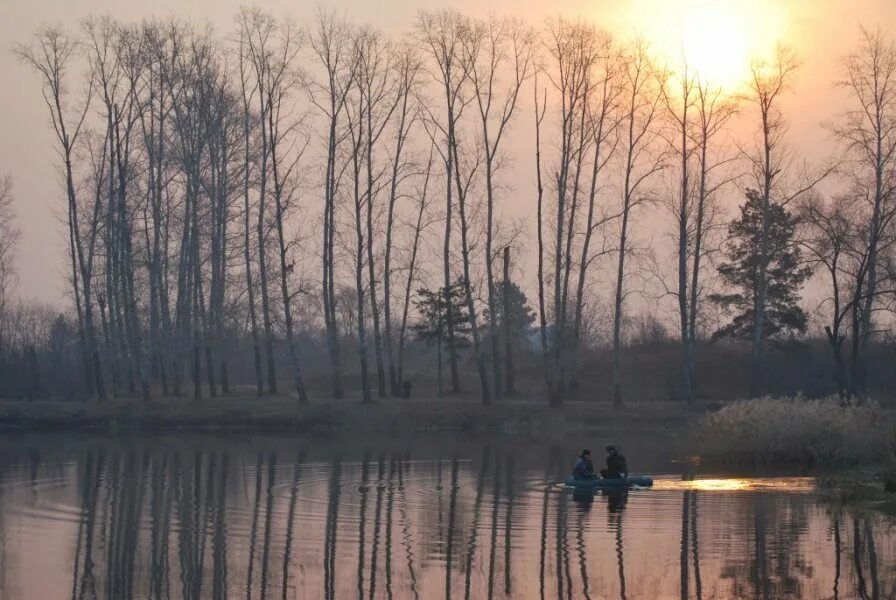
(797, 431)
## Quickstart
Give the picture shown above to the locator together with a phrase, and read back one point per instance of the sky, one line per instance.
(820, 31)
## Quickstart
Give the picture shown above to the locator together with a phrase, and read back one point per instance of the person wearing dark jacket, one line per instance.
(616, 466)
(584, 468)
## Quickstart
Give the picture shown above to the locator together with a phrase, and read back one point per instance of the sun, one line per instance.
(714, 45)
(716, 39)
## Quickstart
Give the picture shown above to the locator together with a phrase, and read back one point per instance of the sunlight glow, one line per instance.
(717, 39)
(715, 45)
(790, 484)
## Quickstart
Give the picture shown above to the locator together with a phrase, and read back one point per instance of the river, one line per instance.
(427, 516)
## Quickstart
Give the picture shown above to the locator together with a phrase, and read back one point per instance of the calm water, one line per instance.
(443, 516)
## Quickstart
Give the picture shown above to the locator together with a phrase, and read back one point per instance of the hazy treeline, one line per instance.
(284, 186)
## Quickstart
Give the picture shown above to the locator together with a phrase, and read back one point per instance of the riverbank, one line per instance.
(283, 413)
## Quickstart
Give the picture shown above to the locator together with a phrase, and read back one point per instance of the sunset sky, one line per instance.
(720, 38)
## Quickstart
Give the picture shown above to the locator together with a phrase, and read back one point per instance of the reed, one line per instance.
(797, 431)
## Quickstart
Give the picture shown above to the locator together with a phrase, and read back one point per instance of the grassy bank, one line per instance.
(282, 413)
(797, 432)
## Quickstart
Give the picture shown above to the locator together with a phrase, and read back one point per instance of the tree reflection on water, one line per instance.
(100, 519)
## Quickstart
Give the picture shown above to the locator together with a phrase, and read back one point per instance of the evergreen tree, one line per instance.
(434, 314)
(522, 315)
(785, 274)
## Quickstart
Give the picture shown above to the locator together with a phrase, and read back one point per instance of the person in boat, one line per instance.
(616, 466)
(584, 467)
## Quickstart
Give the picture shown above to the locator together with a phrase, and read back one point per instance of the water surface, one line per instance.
(440, 516)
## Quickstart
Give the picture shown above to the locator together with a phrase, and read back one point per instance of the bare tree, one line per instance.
(498, 45)
(192, 92)
(698, 112)
(868, 133)
(249, 89)
(602, 122)
(833, 238)
(574, 49)
(442, 37)
(770, 163)
(9, 237)
(332, 43)
(640, 115)
(275, 55)
(354, 111)
(50, 56)
(419, 226)
(379, 99)
(767, 83)
(115, 62)
(259, 29)
(407, 67)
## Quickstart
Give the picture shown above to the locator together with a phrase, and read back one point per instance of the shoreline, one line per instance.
(389, 415)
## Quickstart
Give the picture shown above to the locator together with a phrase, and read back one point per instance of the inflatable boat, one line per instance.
(608, 484)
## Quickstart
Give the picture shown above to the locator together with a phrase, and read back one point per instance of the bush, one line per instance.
(796, 431)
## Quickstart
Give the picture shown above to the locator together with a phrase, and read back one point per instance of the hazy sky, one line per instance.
(819, 30)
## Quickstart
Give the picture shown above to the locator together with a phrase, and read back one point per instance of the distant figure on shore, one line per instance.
(584, 468)
(616, 466)
(406, 390)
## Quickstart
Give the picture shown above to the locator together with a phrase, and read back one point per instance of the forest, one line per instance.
(321, 210)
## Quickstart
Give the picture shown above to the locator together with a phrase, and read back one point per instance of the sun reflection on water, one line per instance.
(736, 484)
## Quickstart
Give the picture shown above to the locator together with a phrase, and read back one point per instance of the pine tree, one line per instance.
(522, 315)
(434, 315)
(785, 274)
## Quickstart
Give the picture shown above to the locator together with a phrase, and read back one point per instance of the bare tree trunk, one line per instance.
(640, 111)
(509, 385)
(766, 85)
(50, 58)
(542, 316)
(869, 133)
(444, 36)
(409, 285)
(462, 189)
(277, 96)
(333, 46)
(378, 105)
(602, 125)
(357, 144)
(247, 252)
(407, 73)
(262, 257)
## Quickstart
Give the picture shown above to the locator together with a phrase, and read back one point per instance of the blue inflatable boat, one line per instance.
(608, 484)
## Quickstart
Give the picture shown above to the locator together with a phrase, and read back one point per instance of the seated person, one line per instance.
(584, 468)
(616, 466)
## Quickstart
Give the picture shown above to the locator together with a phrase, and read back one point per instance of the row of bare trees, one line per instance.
(198, 169)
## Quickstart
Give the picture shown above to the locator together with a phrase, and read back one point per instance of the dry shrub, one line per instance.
(796, 431)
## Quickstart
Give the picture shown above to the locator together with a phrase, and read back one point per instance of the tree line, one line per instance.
(325, 182)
